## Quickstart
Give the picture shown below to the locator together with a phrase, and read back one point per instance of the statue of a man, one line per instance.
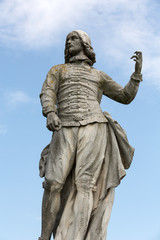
(89, 151)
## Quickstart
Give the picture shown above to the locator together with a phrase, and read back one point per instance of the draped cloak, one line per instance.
(118, 157)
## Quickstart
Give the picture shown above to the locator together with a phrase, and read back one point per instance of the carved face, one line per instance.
(74, 44)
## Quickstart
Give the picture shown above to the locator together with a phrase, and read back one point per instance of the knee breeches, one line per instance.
(80, 147)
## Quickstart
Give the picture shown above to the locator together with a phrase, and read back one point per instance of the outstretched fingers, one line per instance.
(137, 57)
(139, 53)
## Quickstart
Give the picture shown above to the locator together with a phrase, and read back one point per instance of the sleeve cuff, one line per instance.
(137, 77)
(45, 112)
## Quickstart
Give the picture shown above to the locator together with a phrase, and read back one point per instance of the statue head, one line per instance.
(78, 44)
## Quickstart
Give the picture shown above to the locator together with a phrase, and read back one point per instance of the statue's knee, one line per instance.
(85, 186)
(52, 185)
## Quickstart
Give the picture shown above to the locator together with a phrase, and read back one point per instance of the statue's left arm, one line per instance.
(124, 95)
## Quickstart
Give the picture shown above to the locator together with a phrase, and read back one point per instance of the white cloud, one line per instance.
(38, 22)
(118, 27)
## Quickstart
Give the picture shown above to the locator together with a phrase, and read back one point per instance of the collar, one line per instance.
(80, 59)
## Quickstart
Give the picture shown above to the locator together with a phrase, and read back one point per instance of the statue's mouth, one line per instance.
(70, 45)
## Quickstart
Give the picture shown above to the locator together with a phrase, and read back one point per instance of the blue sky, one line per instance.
(32, 37)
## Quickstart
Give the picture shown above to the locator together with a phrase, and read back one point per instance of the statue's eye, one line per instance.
(74, 38)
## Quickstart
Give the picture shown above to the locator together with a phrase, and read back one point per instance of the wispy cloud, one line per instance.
(3, 129)
(118, 27)
(37, 22)
(18, 97)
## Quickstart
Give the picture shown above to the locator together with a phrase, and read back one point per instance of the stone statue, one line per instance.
(89, 151)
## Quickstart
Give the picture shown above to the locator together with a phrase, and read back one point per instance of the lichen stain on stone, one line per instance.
(64, 68)
(54, 69)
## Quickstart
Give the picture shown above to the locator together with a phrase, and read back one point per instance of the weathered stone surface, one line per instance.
(89, 151)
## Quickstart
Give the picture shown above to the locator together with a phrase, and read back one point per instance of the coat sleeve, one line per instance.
(118, 93)
(49, 91)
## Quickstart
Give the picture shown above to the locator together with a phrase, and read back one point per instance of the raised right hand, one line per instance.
(53, 122)
(138, 59)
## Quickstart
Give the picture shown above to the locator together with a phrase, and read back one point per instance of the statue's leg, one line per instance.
(50, 208)
(59, 164)
(92, 140)
(82, 211)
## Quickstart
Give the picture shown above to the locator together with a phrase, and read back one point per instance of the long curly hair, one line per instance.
(88, 50)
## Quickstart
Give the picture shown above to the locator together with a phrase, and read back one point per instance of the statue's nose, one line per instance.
(69, 41)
